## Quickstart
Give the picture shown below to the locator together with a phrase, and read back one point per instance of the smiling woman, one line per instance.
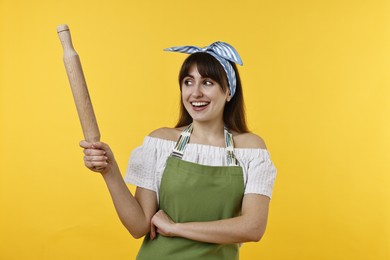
(203, 98)
(208, 67)
(204, 186)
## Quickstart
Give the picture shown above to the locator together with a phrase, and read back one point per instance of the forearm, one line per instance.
(134, 212)
(249, 227)
(127, 207)
(227, 231)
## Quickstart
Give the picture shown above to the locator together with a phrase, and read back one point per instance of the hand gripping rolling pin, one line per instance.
(79, 86)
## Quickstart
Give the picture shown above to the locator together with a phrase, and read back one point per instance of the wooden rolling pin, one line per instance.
(78, 86)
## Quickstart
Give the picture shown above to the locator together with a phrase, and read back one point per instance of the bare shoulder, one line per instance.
(248, 140)
(166, 133)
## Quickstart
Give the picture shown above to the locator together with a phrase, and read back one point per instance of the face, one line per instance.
(203, 98)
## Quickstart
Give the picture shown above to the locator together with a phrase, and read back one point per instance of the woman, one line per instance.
(198, 196)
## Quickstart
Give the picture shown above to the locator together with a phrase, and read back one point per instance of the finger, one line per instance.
(100, 158)
(84, 144)
(152, 232)
(100, 145)
(94, 152)
(159, 212)
(90, 164)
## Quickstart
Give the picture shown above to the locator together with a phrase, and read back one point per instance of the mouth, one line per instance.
(199, 105)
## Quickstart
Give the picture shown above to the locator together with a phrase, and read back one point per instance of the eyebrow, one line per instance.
(191, 76)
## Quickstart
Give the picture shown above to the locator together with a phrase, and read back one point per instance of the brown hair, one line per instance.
(208, 66)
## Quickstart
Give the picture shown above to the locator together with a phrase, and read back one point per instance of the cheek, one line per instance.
(185, 94)
(184, 99)
(220, 96)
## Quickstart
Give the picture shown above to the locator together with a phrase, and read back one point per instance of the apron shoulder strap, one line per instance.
(230, 158)
(181, 144)
(184, 139)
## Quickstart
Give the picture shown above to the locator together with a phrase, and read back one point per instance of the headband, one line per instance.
(223, 52)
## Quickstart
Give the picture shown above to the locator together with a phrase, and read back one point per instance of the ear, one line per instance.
(229, 97)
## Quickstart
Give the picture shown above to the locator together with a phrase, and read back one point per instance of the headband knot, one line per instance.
(221, 51)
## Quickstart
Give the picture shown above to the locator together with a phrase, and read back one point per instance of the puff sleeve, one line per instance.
(142, 165)
(261, 174)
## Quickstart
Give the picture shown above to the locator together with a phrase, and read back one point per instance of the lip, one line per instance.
(198, 109)
(199, 101)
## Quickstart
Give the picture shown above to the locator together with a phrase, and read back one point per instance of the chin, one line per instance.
(202, 119)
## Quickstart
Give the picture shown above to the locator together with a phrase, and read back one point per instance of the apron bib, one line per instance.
(191, 192)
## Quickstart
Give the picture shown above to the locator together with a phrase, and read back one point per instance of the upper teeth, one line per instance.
(198, 104)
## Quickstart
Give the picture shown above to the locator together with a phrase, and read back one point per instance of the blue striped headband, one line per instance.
(223, 52)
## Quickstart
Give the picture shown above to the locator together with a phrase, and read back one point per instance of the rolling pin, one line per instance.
(79, 86)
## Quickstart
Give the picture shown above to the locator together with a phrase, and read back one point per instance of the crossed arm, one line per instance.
(249, 227)
(139, 213)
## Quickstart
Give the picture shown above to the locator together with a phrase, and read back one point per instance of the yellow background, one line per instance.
(316, 82)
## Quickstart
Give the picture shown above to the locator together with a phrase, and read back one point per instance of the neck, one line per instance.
(208, 133)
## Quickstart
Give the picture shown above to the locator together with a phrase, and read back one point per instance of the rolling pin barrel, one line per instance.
(79, 86)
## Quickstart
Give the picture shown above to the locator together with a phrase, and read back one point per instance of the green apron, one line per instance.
(191, 192)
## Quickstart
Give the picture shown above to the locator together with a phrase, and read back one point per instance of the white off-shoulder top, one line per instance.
(147, 164)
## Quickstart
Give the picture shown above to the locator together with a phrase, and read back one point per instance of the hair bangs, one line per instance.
(208, 67)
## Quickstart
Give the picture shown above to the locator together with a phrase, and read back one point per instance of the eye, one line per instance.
(208, 82)
(187, 82)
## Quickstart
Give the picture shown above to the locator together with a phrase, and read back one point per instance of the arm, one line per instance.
(135, 212)
(249, 227)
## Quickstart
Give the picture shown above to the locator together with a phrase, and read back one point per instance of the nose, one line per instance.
(197, 91)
